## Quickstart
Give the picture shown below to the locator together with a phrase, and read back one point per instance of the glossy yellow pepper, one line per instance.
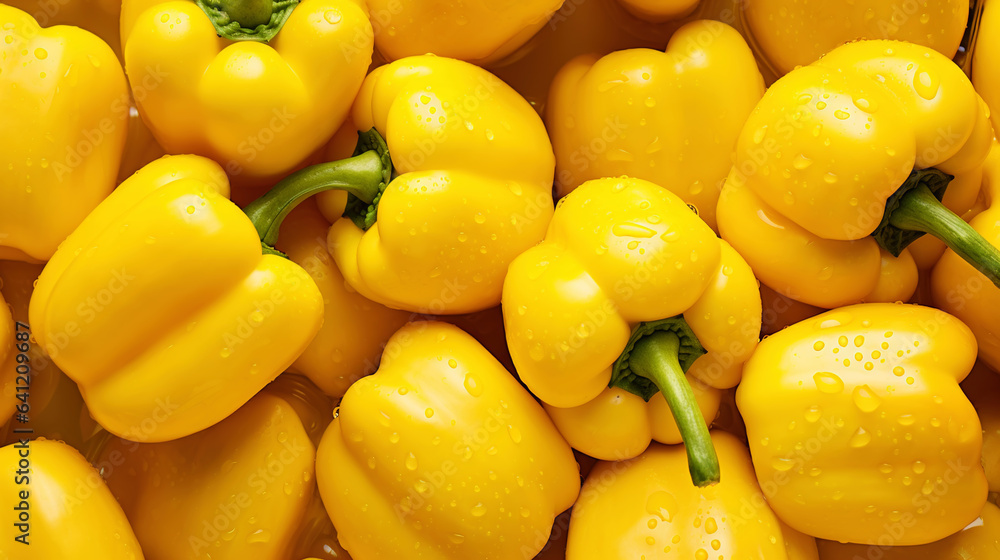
(980, 540)
(849, 156)
(65, 104)
(618, 253)
(239, 489)
(668, 117)
(983, 388)
(441, 454)
(258, 109)
(660, 10)
(473, 191)
(873, 438)
(646, 508)
(986, 59)
(354, 329)
(159, 304)
(960, 289)
(478, 31)
(794, 33)
(56, 408)
(66, 508)
(100, 17)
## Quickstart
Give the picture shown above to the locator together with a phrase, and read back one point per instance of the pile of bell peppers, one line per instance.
(499, 280)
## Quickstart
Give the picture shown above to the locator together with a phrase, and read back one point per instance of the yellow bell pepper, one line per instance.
(61, 507)
(474, 188)
(55, 407)
(629, 291)
(354, 328)
(441, 454)
(478, 31)
(660, 10)
(794, 33)
(848, 157)
(780, 311)
(65, 104)
(646, 508)
(960, 289)
(159, 304)
(986, 58)
(983, 388)
(671, 118)
(258, 109)
(873, 438)
(100, 17)
(239, 489)
(980, 540)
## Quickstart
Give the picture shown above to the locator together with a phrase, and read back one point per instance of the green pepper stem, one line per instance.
(655, 358)
(920, 210)
(360, 175)
(248, 13)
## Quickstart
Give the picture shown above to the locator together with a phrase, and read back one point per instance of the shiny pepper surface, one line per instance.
(797, 32)
(659, 10)
(619, 252)
(983, 388)
(668, 117)
(980, 540)
(71, 515)
(473, 188)
(65, 104)
(258, 109)
(100, 17)
(986, 59)
(238, 489)
(159, 304)
(960, 289)
(478, 31)
(399, 467)
(873, 433)
(825, 151)
(646, 508)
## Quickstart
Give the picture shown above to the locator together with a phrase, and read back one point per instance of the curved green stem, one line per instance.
(362, 175)
(655, 358)
(920, 210)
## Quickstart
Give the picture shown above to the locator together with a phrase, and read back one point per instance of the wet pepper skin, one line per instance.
(873, 435)
(670, 117)
(621, 251)
(73, 515)
(823, 151)
(100, 17)
(478, 31)
(159, 303)
(979, 541)
(65, 103)
(647, 508)
(474, 187)
(441, 454)
(254, 470)
(797, 32)
(258, 109)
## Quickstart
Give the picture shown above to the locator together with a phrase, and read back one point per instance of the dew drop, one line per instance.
(865, 399)
(828, 383)
(860, 438)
